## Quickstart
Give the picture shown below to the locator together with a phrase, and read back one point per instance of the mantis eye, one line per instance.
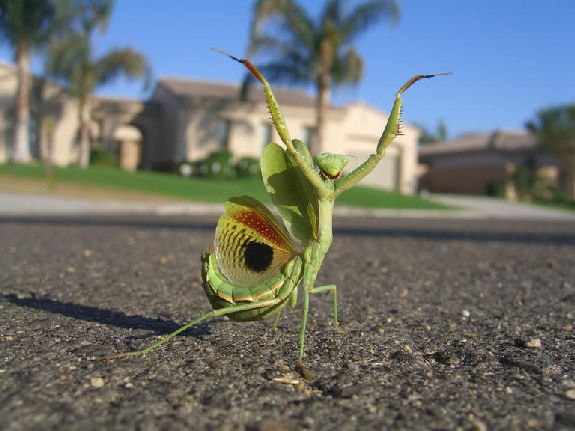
(330, 164)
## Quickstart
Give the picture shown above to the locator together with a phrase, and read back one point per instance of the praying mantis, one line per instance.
(257, 265)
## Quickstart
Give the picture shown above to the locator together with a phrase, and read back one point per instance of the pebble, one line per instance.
(286, 380)
(570, 394)
(533, 343)
(97, 382)
(273, 424)
(465, 313)
(479, 426)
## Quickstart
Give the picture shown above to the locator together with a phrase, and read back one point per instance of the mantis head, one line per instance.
(330, 165)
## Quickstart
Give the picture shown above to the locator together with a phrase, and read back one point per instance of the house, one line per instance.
(478, 162)
(185, 120)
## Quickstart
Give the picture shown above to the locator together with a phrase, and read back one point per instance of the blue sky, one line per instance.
(509, 58)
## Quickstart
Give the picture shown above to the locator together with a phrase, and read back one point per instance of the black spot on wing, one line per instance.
(258, 256)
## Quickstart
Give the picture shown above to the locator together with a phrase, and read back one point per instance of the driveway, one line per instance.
(483, 206)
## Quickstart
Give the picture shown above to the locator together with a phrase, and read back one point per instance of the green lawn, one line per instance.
(565, 205)
(205, 190)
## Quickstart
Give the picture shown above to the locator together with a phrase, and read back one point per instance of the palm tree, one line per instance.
(72, 60)
(27, 26)
(555, 131)
(304, 50)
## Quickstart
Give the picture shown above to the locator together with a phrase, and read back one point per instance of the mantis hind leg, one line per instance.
(219, 312)
(277, 319)
(328, 288)
(292, 303)
(306, 292)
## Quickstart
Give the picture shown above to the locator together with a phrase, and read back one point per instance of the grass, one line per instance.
(561, 205)
(371, 197)
(203, 190)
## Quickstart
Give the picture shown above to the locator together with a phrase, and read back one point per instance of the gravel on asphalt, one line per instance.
(447, 324)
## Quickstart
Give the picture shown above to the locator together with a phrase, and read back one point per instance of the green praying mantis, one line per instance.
(256, 265)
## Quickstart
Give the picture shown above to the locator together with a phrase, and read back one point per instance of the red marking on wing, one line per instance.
(258, 223)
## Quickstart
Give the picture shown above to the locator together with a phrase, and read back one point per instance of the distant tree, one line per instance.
(72, 60)
(319, 51)
(27, 25)
(555, 130)
(441, 131)
(428, 137)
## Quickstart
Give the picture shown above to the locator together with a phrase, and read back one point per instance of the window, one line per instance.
(223, 134)
(10, 136)
(266, 134)
(308, 135)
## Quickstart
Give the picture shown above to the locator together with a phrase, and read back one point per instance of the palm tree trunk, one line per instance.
(21, 144)
(323, 85)
(84, 132)
(569, 175)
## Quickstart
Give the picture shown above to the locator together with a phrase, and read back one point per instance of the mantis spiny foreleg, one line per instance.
(392, 129)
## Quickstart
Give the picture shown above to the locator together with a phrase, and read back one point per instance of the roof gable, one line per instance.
(502, 140)
(192, 89)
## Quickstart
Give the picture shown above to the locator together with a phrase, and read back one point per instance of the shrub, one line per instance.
(103, 158)
(248, 167)
(220, 164)
(531, 186)
(496, 188)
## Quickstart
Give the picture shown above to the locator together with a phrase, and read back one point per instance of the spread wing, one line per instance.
(250, 244)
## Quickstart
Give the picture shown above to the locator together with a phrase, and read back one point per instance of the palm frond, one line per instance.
(367, 14)
(127, 62)
(347, 68)
(66, 56)
(289, 72)
(91, 14)
(289, 22)
(26, 23)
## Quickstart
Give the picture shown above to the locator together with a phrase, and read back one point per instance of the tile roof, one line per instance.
(225, 91)
(503, 140)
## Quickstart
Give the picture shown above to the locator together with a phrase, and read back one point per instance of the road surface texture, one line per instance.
(447, 324)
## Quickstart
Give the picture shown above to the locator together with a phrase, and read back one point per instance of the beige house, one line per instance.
(185, 120)
(474, 163)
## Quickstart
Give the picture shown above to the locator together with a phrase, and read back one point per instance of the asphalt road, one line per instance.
(448, 324)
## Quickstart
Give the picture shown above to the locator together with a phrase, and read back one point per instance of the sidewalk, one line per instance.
(19, 204)
(487, 207)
